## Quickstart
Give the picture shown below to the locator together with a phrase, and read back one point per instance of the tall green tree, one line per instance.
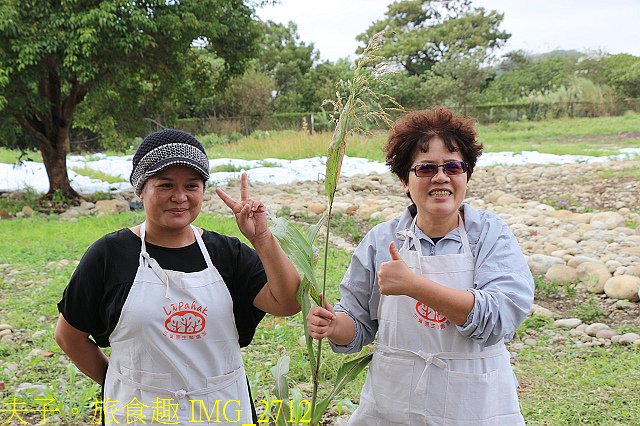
(422, 33)
(621, 71)
(55, 54)
(287, 59)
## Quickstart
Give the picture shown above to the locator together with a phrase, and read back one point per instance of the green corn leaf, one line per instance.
(281, 390)
(279, 372)
(300, 251)
(336, 153)
(312, 232)
(346, 373)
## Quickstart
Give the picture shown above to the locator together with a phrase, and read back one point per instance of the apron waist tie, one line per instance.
(438, 358)
(181, 393)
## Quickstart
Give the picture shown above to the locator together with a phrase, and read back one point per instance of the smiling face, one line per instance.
(437, 198)
(172, 198)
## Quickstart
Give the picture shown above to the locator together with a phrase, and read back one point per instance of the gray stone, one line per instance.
(606, 334)
(517, 346)
(540, 263)
(628, 338)
(593, 329)
(624, 304)
(623, 287)
(607, 220)
(34, 389)
(561, 274)
(114, 206)
(541, 312)
(567, 322)
(593, 276)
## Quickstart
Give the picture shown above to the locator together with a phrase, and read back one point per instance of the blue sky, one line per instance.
(536, 25)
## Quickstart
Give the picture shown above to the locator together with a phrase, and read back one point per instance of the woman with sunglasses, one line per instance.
(443, 286)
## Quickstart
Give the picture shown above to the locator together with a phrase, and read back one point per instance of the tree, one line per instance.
(621, 71)
(287, 60)
(247, 96)
(421, 33)
(54, 55)
(320, 83)
(457, 77)
(521, 74)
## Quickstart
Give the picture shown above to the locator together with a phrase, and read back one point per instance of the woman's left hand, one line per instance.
(394, 276)
(251, 215)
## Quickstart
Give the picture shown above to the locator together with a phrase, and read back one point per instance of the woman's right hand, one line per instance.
(321, 322)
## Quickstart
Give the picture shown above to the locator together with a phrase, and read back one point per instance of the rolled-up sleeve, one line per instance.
(359, 296)
(503, 286)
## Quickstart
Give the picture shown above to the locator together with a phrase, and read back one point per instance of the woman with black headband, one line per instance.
(175, 302)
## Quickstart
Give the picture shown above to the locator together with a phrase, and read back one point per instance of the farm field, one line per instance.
(562, 383)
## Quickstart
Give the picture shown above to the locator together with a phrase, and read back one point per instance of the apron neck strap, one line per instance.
(143, 249)
(147, 261)
(411, 240)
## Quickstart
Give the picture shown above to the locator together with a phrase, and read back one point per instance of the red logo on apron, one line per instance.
(185, 319)
(430, 317)
(429, 314)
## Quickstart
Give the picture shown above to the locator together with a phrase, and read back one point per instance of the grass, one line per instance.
(562, 136)
(568, 385)
(562, 384)
(292, 145)
(11, 156)
(96, 174)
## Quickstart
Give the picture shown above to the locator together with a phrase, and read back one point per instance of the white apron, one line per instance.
(175, 354)
(423, 371)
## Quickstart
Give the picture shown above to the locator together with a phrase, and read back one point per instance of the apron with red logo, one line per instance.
(423, 371)
(175, 356)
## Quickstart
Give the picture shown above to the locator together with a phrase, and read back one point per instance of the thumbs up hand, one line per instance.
(394, 276)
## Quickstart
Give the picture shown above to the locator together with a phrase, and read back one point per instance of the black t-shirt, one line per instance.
(93, 300)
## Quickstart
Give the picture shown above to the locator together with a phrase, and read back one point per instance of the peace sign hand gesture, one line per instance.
(251, 215)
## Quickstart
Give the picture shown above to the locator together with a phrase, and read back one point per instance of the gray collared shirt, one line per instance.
(503, 285)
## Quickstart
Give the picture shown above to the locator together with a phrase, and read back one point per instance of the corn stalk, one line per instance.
(357, 103)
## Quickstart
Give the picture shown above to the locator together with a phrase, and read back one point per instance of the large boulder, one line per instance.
(593, 275)
(607, 220)
(623, 287)
(114, 206)
(561, 274)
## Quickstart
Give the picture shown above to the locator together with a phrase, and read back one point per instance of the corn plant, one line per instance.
(357, 103)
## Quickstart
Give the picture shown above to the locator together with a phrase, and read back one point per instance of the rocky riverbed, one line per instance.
(578, 225)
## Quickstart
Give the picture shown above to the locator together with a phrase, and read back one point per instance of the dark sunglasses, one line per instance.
(430, 170)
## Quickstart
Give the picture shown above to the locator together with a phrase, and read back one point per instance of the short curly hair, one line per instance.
(415, 129)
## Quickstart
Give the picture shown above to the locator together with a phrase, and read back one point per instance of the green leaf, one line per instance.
(312, 232)
(279, 372)
(281, 389)
(336, 153)
(346, 373)
(300, 251)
